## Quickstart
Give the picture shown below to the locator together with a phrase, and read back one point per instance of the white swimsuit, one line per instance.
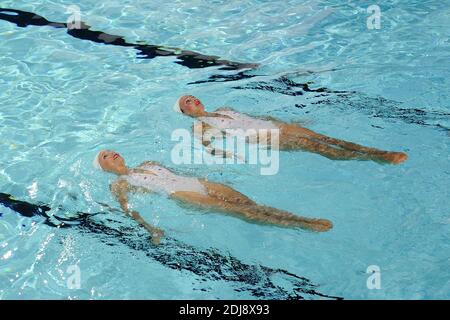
(163, 181)
(239, 126)
(237, 121)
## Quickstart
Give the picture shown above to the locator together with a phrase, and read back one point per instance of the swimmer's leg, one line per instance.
(325, 150)
(385, 156)
(272, 216)
(295, 138)
(230, 201)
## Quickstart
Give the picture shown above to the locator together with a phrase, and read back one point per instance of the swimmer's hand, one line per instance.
(225, 154)
(155, 232)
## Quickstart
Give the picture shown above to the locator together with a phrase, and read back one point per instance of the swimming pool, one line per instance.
(64, 97)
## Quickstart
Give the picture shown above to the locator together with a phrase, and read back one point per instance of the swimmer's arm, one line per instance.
(269, 118)
(120, 190)
(150, 163)
(199, 133)
(301, 123)
(276, 121)
(155, 232)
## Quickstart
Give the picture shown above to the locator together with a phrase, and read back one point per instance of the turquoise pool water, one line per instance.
(63, 98)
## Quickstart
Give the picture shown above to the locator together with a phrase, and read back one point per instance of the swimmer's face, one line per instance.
(191, 105)
(110, 160)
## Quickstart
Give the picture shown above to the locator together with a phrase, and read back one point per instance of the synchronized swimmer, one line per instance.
(291, 136)
(153, 177)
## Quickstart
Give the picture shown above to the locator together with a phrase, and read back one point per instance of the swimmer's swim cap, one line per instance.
(96, 162)
(176, 106)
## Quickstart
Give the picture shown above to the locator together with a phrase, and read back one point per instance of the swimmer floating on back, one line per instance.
(153, 177)
(291, 136)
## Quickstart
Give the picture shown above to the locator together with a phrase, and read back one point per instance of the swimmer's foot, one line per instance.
(319, 225)
(395, 157)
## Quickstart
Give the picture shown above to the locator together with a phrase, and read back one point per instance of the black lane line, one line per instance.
(209, 264)
(375, 107)
(190, 59)
(286, 86)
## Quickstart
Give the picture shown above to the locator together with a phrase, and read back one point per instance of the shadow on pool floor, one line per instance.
(211, 264)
